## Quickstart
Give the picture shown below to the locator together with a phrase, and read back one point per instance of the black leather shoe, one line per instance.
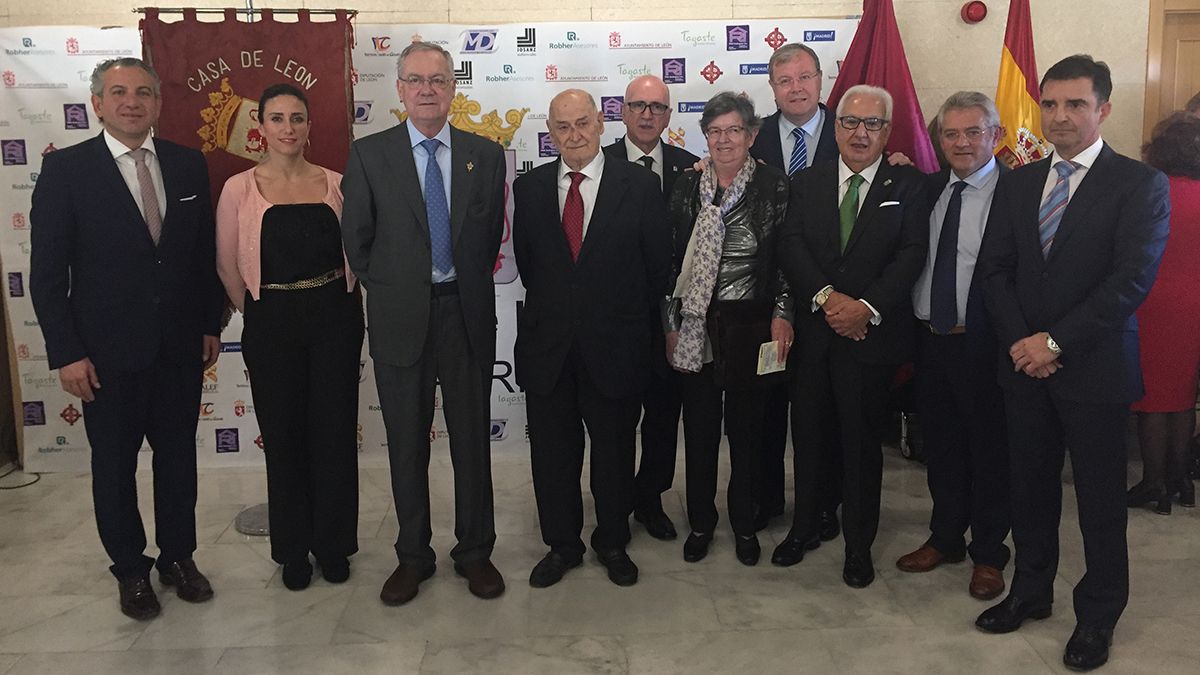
(748, 550)
(336, 570)
(1008, 616)
(190, 585)
(621, 570)
(550, 569)
(1187, 493)
(859, 570)
(297, 575)
(1088, 648)
(657, 523)
(696, 546)
(791, 551)
(829, 527)
(138, 600)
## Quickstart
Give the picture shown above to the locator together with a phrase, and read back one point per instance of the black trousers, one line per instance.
(556, 426)
(1040, 424)
(160, 405)
(703, 400)
(302, 351)
(407, 397)
(839, 390)
(773, 447)
(661, 406)
(962, 417)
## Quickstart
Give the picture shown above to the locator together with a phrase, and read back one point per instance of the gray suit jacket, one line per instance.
(386, 235)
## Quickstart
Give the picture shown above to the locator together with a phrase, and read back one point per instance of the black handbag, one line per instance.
(737, 328)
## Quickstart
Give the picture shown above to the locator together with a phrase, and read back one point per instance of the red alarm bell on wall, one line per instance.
(974, 11)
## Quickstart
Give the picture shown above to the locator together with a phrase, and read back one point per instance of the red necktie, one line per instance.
(572, 215)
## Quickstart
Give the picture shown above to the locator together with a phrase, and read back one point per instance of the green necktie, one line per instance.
(848, 211)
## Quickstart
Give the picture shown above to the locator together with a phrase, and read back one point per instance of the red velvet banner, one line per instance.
(213, 72)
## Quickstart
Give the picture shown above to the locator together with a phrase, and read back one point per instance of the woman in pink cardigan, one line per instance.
(279, 254)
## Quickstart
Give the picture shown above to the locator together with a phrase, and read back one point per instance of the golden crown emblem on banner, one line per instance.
(231, 124)
(463, 109)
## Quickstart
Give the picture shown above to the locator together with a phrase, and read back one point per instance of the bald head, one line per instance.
(644, 125)
(575, 125)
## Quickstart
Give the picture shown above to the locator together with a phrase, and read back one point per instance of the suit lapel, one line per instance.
(551, 216)
(880, 188)
(1032, 201)
(1089, 192)
(462, 180)
(614, 181)
(825, 208)
(113, 182)
(402, 164)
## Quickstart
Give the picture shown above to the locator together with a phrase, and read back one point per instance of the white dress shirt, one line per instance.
(1084, 159)
(812, 136)
(588, 187)
(421, 158)
(635, 154)
(976, 202)
(128, 169)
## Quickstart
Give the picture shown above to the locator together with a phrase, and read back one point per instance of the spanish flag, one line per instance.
(1017, 93)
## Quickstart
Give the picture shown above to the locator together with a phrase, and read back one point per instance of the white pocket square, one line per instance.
(889, 204)
(187, 199)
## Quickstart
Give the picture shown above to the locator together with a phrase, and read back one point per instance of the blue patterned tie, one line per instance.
(437, 210)
(1051, 213)
(799, 158)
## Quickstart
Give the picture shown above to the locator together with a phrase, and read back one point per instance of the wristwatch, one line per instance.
(823, 295)
(1052, 345)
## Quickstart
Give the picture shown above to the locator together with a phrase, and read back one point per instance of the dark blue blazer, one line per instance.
(768, 149)
(100, 287)
(1103, 261)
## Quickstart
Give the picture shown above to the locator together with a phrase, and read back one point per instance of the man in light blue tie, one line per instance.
(1072, 247)
(422, 222)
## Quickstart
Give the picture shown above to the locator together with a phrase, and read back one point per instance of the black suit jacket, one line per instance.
(601, 301)
(768, 148)
(100, 287)
(675, 161)
(883, 258)
(1100, 267)
(385, 230)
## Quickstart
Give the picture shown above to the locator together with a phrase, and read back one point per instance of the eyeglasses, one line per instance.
(850, 122)
(727, 132)
(439, 82)
(802, 78)
(974, 134)
(656, 108)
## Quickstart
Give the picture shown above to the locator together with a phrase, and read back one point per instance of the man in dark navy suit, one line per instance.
(124, 283)
(646, 113)
(1073, 245)
(796, 136)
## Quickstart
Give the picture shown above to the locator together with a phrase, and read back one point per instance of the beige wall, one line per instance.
(944, 53)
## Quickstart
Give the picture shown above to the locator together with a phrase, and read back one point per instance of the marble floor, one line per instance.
(58, 605)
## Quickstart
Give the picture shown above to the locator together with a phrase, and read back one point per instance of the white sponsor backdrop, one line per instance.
(507, 75)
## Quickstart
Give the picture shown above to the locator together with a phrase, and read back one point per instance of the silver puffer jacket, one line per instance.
(748, 268)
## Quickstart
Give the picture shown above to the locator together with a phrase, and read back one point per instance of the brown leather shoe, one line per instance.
(190, 585)
(925, 559)
(483, 579)
(138, 600)
(402, 585)
(986, 582)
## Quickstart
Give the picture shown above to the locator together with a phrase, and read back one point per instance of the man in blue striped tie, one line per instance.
(1072, 247)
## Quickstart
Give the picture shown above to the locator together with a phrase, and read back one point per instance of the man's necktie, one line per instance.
(647, 161)
(437, 210)
(943, 297)
(799, 158)
(1051, 213)
(848, 210)
(150, 208)
(572, 216)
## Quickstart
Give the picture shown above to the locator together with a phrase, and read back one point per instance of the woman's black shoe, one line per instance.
(297, 575)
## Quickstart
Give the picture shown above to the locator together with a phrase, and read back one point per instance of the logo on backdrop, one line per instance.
(711, 72)
(34, 413)
(382, 43)
(737, 38)
(479, 41)
(611, 107)
(16, 285)
(227, 441)
(70, 415)
(362, 112)
(546, 147)
(527, 42)
(775, 38)
(673, 71)
(753, 69)
(818, 35)
(14, 152)
(75, 116)
(498, 430)
(462, 74)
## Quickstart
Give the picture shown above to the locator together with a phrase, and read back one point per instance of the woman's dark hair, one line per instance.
(277, 90)
(1174, 147)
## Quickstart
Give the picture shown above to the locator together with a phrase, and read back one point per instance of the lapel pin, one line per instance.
(470, 166)
(887, 182)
